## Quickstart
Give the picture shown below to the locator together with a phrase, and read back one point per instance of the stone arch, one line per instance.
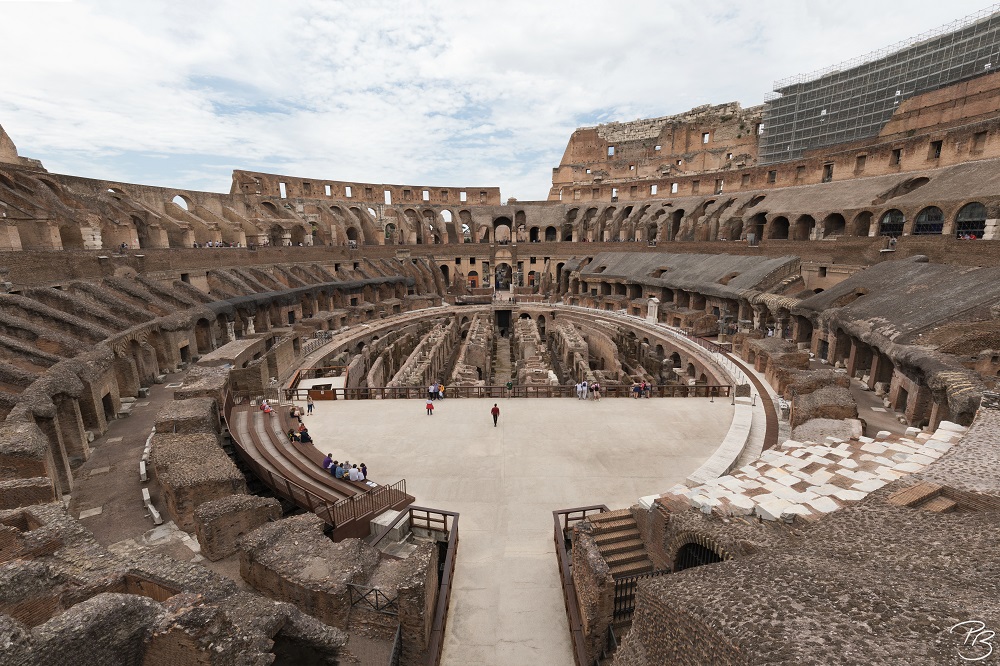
(834, 224)
(71, 237)
(971, 220)
(550, 234)
(779, 228)
(891, 223)
(203, 336)
(182, 201)
(861, 224)
(803, 228)
(929, 221)
(674, 230)
(692, 549)
(502, 229)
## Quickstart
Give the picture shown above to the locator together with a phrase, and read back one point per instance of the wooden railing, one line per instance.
(519, 391)
(563, 521)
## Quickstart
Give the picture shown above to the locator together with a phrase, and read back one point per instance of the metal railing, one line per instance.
(360, 507)
(625, 593)
(518, 391)
(373, 598)
(397, 647)
(563, 520)
(435, 519)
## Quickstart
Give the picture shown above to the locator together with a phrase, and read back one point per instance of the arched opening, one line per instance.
(691, 372)
(71, 237)
(298, 235)
(473, 278)
(533, 235)
(675, 224)
(550, 234)
(352, 235)
(276, 236)
(503, 276)
(141, 232)
(862, 224)
(755, 227)
(182, 202)
(929, 221)
(501, 230)
(446, 275)
(971, 221)
(803, 227)
(779, 228)
(891, 223)
(390, 234)
(203, 336)
(834, 225)
(694, 555)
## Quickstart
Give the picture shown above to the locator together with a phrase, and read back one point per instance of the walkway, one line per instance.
(505, 482)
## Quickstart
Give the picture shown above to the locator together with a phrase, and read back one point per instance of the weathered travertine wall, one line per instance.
(192, 469)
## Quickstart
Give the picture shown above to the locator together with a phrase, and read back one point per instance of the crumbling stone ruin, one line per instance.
(851, 278)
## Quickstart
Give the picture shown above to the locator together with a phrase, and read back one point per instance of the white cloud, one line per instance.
(424, 93)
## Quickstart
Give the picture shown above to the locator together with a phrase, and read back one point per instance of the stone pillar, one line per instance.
(652, 310)
(992, 231)
(230, 331)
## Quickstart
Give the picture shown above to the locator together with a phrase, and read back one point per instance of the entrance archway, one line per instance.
(503, 276)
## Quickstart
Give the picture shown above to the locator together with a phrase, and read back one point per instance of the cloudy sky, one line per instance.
(423, 92)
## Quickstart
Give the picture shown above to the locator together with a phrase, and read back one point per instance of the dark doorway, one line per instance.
(694, 555)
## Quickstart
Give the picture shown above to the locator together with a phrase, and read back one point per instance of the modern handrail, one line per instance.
(517, 391)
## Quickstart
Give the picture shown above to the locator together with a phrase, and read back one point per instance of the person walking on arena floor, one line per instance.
(430, 407)
(496, 414)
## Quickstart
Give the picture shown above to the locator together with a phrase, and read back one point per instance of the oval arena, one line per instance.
(794, 328)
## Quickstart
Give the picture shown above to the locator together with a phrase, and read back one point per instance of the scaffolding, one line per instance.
(854, 99)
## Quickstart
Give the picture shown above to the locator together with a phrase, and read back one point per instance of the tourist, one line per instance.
(292, 435)
(355, 474)
(496, 414)
(578, 390)
(432, 391)
(309, 405)
(430, 407)
(327, 461)
(596, 388)
(305, 437)
(266, 408)
(440, 393)
(364, 471)
(333, 468)
(510, 388)
(584, 389)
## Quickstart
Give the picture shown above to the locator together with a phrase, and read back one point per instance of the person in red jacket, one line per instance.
(496, 414)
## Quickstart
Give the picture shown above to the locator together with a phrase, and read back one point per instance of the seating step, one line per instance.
(939, 504)
(617, 514)
(915, 495)
(617, 547)
(613, 525)
(615, 537)
(626, 557)
(632, 568)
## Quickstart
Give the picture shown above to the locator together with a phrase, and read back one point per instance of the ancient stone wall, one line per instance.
(219, 523)
(192, 469)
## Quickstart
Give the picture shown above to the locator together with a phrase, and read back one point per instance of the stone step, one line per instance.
(608, 538)
(631, 568)
(617, 514)
(615, 547)
(939, 504)
(627, 557)
(915, 495)
(619, 525)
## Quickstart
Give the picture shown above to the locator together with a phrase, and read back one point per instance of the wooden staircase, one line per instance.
(617, 537)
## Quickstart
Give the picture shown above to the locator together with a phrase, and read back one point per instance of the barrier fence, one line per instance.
(563, 521)
(517, 391)
(360, 507)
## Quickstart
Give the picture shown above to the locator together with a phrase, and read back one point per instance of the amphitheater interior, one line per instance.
(844, 299)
